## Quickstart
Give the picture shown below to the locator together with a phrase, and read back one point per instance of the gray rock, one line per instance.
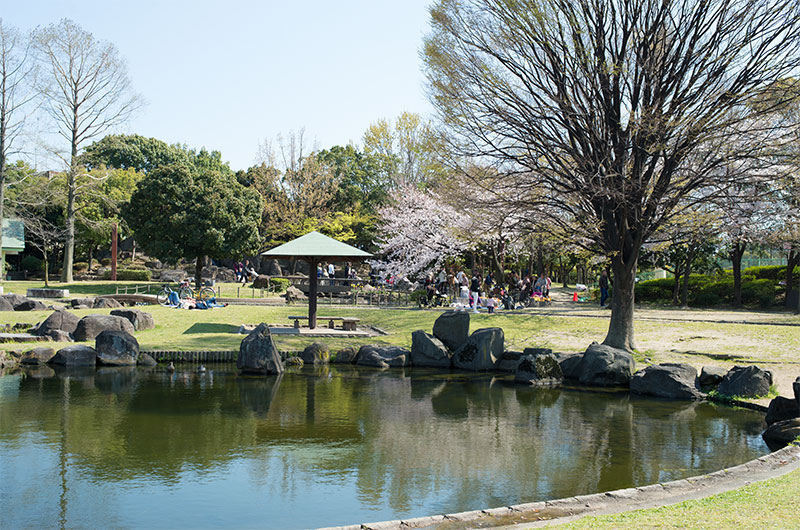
(75, 355)
(781, 409)
(508, 362)
(293, 294)
(105, 303)
(172, 275)
(782, 432)
(5, 305)
(452, 328)
(258, 354)
(667, 380)
(603, 365)
(261, 281)
(14, 299)
(80, 303)
(537, 351)
(382, 356)
(482, 350)
(316, 353)
(569, 363)
(746, 381)
(139, 319)
(116, 348)
(711, 376)
(294, 361)
(145, 360)
(427, 350)
(346, 356)
(273, 268)
(57, 335)
(40, 355)
(90, 326)
(30, 305)
(542, 369)
(58, 320)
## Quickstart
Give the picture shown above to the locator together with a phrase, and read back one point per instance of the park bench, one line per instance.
(348, 323)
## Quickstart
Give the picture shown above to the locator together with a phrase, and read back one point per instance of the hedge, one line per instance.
(712, 290)
(130, 275)
(31, 264)
(279, 284)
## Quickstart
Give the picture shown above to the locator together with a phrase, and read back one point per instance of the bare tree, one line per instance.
(86, 92)
(16, 71)
(601, 101)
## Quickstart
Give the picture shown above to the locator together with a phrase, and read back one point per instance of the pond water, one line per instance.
(133, 447)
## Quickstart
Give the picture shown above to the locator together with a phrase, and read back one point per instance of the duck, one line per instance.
(171, 367)
(201, 369)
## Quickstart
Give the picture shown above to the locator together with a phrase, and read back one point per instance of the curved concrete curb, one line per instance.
(562, 510)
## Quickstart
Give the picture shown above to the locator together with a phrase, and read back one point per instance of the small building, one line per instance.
(13, 238)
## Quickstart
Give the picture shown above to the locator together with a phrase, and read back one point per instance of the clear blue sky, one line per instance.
(227, 75)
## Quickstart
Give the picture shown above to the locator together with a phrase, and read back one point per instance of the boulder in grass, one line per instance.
(40, 355)
(427, 350)
(746, 381)
(139, 319)
(58, 320)
(452, 328)
(711, 376)
(81, 303)
(541, 370)
(57, 335)
(293, 294)
(261, 282)
(258, 354)
(346, 356)
(5, 305)
(667, 380)
(14, 299)
(569, 363)
(90, 326)
(382, 356)
(603, 365)
(482, 350)
(30, 305)
(105, 303)
(116, 348)
(75, 355)
(316, 353)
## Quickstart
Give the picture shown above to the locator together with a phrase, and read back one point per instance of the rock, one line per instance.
(569, 363)
(316, 353)
(346, 356)
(5, 305)
(541, 369)
(782, 432)
(427, 350)
(781, 409)
(105, 303)
(261, 281)
(482, 350)
(90, 326)
(145, 360)
(30, 305)
(81, 306)
(80, 303)
(293, 294)
(139, 319)
(75, 355)
(40, 355)
(294, 361)
(452, 328)
(508, 361)
(746, 381)
(603, 365)
(116, 348)
(172, 275)
(258, 354)
(14, 299)
(711, 376)
(57, 335)
(273, 268)
(382, 356)
(58, 320)
(667, 380)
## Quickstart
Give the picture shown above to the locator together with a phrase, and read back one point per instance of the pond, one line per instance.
(134, 447)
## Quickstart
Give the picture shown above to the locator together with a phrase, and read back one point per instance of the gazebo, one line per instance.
(314, 248)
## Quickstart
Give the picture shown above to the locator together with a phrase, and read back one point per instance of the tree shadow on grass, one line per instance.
(208, 327)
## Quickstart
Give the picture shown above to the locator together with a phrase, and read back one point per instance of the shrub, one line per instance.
(135, 267)
(130, 275)
(761, 292)
(774, 272)
(31, 264)
(279, 284)
(80, 266)
(105, 262)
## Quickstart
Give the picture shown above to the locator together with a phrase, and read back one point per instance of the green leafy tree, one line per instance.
(178, 211)
(131, 151)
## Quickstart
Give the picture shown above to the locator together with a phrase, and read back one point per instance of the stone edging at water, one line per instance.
(547, 512)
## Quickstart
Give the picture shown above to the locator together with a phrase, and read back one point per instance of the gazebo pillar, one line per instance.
(312, 294)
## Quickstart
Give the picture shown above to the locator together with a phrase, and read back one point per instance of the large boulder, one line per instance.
(316, 353)
(80, 303)
(57, 335)
(258, 354)
(116, 348)
(30, 305)
(482, 350)
(271, 268)
(346, 356)
(667, 380)
(540, 369)
(508, 362)
(711, 376)
(145, 360)
(569, 363)
(5, 305)
(14, 299)
(40, 355)
(105, 303)
(172, 275)
(782, 432)
(382, 356)
(452, 328)
(90, 326)
(746, 381)
(427, 350)
(75, 355)
(781, 409)
(261, 282)
(58, 320)
(139, 319)
(293, 294)
(603, 365)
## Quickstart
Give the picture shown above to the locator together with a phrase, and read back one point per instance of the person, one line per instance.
(489, 282)
(548, 283)
(249, 271)
(540, 285)
(474, 287)
(237, 271)
(441, 281)
(242, 275)
(430, 288)
(490, 303)
(603, 288)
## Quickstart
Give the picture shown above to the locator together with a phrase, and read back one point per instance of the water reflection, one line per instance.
(331, 445)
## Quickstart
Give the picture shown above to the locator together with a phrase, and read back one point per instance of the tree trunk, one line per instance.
(46, 266)
(620, 329)
(69, 244)
(676, 287)
(198, 273)
(791, 262)
(736, 260)
(686, 273)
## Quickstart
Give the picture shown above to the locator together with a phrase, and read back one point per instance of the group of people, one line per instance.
(328, 270)
(244, 271)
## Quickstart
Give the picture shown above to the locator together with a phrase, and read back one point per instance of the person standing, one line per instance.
(475, 287)
(603, 288)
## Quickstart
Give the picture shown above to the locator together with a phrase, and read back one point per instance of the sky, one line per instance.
(228, 75)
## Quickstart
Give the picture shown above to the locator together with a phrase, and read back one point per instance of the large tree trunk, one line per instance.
(676, 286)
(792, 261)
(686, 273)
(736, 260)
(620, 329)
(198, 273)
(69, 244)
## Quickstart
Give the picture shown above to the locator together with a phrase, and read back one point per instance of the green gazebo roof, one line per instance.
(317, 247)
